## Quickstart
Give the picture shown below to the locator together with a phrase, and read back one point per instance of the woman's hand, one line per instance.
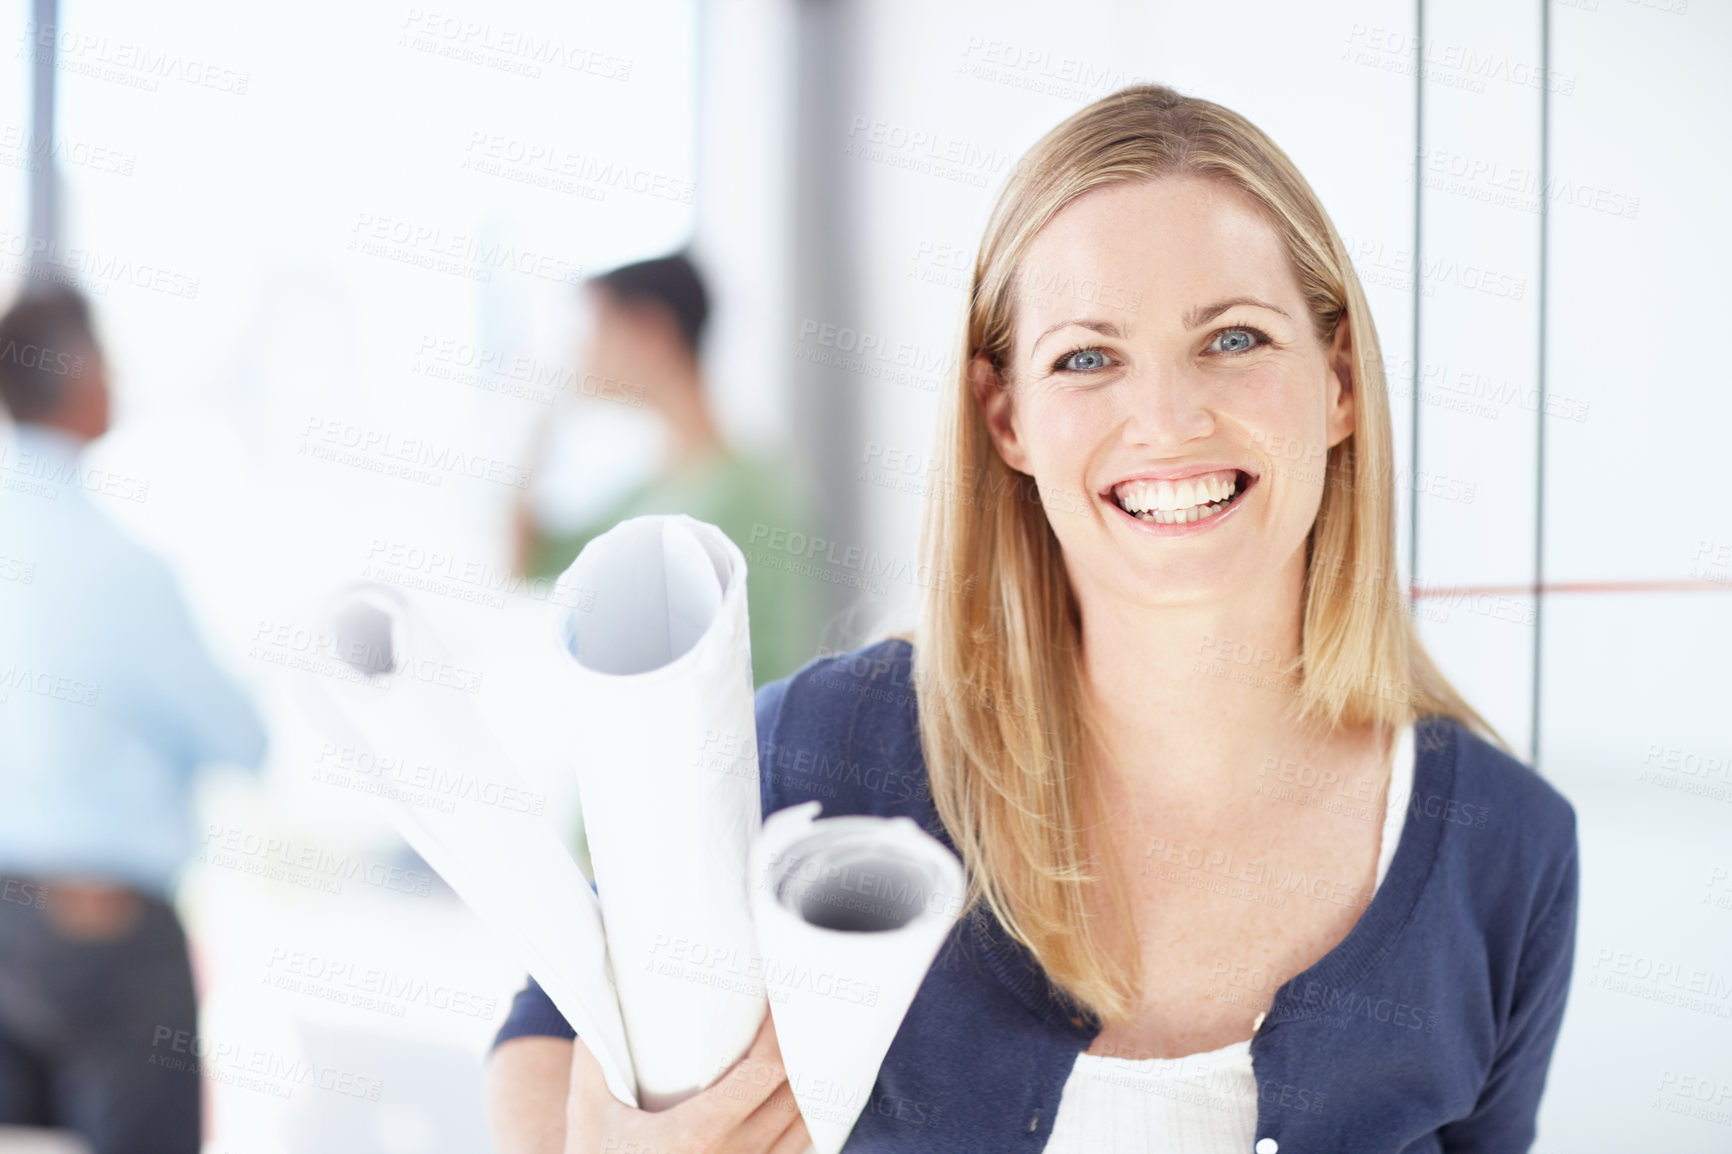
(750, 1110)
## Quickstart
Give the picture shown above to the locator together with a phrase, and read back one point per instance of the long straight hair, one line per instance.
(1005, 725)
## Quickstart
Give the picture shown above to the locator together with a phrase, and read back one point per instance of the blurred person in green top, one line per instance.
(646, 340)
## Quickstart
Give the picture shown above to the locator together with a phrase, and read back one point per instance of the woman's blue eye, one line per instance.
(1083, 361)
(1236, 340)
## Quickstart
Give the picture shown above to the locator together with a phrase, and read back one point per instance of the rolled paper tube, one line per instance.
(850, 912)
(512, 869)
(665, 738)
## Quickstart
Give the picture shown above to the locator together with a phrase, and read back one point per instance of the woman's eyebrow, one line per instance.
(1104, 328)
(1202, 315)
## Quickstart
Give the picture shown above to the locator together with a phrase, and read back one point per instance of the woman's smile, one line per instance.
(1180, 502)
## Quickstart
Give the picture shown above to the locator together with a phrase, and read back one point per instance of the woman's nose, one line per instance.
(1166, 407)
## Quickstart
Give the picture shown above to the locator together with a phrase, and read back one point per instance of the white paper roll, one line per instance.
(510, 868)
(666, 754)
(850, 912)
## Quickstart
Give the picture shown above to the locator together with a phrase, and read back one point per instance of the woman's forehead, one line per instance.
(1153, 249)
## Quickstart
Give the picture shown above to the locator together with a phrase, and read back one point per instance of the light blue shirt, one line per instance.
(108, 698)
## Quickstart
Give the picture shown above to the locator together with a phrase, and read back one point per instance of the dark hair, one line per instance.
(672, 282)
(45, 339)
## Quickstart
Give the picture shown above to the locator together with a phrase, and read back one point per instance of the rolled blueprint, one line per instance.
(850, 912)
(665, 733)
(390, 705)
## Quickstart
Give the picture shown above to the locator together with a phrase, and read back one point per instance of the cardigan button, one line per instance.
(1267, 1146)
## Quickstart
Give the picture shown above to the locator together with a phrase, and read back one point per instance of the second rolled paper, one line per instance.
(664, 730)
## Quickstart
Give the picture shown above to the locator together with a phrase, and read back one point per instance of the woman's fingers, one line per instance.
(749, 1110)
(748, 1084)
(794, 1140)
(589, 1092)
(765, 1126)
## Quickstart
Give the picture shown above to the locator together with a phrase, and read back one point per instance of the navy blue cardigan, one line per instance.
(1428, 1028)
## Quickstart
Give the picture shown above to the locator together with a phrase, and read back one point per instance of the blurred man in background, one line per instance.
(648, 329)
(108, 701)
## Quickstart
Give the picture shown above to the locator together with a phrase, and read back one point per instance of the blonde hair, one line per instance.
(1004, 723)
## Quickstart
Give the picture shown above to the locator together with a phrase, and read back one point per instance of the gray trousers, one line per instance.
(87, 1028)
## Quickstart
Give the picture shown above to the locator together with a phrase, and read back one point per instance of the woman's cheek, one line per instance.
(1061, 432)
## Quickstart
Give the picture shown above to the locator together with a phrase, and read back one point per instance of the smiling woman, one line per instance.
(1225, 423)
(1206, 452)
(1245, 871)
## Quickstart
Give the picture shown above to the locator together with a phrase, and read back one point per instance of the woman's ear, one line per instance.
(992, 394)
(1343, 391)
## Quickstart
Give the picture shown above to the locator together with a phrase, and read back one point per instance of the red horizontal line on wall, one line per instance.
(1419, 592)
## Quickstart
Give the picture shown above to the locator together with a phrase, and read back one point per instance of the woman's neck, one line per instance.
(1192, 700)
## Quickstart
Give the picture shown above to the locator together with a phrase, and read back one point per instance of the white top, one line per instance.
(1200, 1103)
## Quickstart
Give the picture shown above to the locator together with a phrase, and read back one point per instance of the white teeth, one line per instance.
(1172, 500)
